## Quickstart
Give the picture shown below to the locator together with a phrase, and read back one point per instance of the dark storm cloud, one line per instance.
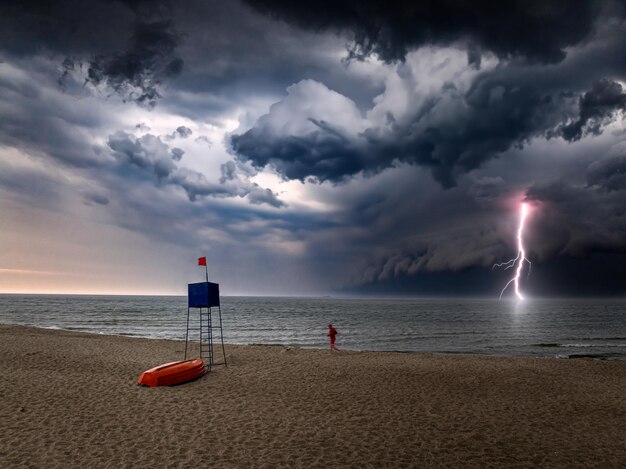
(597, 107)
(476, 127)
(608, 173)
(487, 189)
(401, 224)
(576, 222)
(429, 233)
(580, 220)
(228, 51)
(451, 131)
(70, 28)
(297, 140)
(237, 58)
(381, 130)
(538, 30)
(449, 252)
(324, 154)
(599, 275)
(575, 237)
(136, 73)
(480, 131)
(38, 122)
(127, 47)
(414, 239)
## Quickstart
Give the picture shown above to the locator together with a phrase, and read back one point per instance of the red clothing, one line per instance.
(332, 332)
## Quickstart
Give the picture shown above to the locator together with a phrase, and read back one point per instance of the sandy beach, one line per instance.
(71, 400)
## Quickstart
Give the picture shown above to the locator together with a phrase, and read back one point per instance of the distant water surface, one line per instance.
(565, 328)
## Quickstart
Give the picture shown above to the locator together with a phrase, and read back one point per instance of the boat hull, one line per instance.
(173, 373)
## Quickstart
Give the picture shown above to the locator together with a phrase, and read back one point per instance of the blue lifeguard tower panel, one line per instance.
(203, 295)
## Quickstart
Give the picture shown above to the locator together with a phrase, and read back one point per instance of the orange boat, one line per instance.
(173, 373)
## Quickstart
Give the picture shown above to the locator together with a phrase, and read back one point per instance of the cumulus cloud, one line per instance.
(204, 139)
(180, 132)
(296, 138)
(177, 154)
(436, 111)
(142, 127)
(258, 196)
(155, 157)
(229, 171)
(147, 152)
(196, 185)
(452, 122)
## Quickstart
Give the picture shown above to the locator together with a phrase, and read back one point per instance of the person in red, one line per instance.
(332, 333)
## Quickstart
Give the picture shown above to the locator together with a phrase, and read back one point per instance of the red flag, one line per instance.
(202, 261)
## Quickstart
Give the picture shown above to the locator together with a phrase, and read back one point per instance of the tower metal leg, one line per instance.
(219, 309)
(187, 334)
(210, 337)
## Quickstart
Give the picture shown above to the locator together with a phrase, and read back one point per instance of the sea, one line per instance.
(572, 328)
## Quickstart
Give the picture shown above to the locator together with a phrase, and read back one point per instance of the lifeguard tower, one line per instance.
(202, 296)
(205, 296)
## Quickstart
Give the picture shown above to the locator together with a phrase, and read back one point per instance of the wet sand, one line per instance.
(71, 400)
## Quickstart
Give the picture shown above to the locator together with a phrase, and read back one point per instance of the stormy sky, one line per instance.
(307, 148)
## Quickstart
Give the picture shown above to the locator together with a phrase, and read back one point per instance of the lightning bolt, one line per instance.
(517, 262)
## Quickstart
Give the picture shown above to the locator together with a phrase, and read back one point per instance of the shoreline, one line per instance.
(564, 356)
(75, 395)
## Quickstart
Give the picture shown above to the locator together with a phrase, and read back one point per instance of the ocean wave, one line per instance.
(578, 345)
(593, 356)
(610, 339)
